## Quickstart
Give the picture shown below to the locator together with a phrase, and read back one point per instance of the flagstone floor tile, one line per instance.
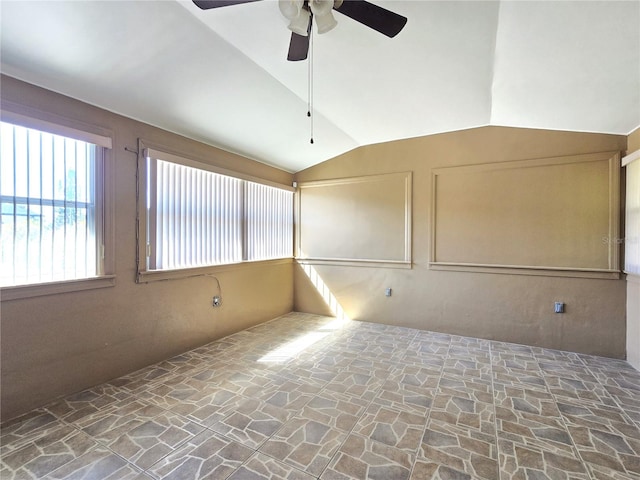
(478, 389)
(152, 440)
(560, 356)
(304, 444)
(426, 376)
(207, 455)
(465, 413)
(340, 411)
(578, 389)
(399, 429)
(318, 376)
(87, 402)
(468, 367)
(358, 401)
(525, 462)
(47, 453)
(430, 360)
(463, 449)
(401, 396)
(513, 348)
(99, 463)
(525, 400)
(559, 368)
(428, 470)
(514, 361)
(263, 467)
(543, 431)
(356, 384)
(27, 428)
(116, 422)
(174, 391)
(605, 437)
(208, 407)
(533, 379)
(286, 394)
(252, 422)
(360, 458)
(142, 379)
(627, 400)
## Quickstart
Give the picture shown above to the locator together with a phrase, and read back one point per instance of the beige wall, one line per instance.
(370, 218)
(515, 308)
(58, 344)
(633, 288)
(542, 214)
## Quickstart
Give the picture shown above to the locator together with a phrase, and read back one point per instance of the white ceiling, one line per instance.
(221, 76)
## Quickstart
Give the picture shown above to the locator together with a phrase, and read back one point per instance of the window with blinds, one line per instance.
(269, 222)
(632, 221)
(50, 209)
(197, 217)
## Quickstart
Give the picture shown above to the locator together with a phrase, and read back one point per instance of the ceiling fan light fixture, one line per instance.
(325, 23)
(322, 11)
(300, 24)
(290, 8)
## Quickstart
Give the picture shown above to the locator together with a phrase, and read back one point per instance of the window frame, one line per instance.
(29, 117)
(145, 275)
(631, 164)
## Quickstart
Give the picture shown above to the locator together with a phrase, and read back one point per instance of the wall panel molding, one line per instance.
(551, 216)
(358, 221)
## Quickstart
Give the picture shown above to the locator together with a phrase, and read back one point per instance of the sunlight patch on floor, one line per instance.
(292, 348)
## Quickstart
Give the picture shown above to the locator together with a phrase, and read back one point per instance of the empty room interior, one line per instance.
(320, 239)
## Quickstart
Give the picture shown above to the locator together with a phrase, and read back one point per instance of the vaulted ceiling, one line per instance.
(221, 76)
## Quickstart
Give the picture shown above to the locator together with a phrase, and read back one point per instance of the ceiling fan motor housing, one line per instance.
(297, 12)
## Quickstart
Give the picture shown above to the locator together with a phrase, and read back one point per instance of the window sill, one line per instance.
(632, 277)
(159, 275)
(527, 270)
(53, 288)
(355, 262)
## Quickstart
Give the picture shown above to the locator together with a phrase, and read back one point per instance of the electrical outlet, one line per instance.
(388, 292)
(559, 307)
(217, 301)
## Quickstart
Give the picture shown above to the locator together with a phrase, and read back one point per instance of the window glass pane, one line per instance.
(47, 207)
(269, 222)
(198, 217)
(632, 234)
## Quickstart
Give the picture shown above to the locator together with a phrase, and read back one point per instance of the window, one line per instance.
(51, 206)
(269, 222)
(632, 223)
(197, 216)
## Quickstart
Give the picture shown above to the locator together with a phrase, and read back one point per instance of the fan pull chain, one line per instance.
(310, 90)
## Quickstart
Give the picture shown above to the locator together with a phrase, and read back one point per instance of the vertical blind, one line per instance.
(48, 207)
(632, 234)
(197, 218)
(269, 222)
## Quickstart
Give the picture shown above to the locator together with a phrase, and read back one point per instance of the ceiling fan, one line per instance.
(301, 13)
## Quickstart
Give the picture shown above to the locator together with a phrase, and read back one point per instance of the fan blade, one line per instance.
(380, 19)
(299, 44)
(298, 47)
(207, 4)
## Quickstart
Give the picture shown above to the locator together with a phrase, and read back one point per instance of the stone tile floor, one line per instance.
(304, 397)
